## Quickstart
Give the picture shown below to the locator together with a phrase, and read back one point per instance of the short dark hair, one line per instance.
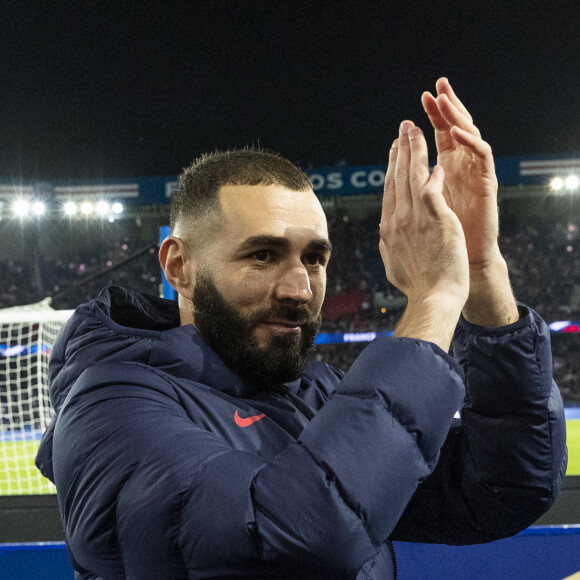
(197, 190)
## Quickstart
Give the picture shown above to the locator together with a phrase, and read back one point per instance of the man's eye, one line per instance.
(313, 259)
(261, 255)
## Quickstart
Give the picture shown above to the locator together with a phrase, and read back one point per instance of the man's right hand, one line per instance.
(422, 242)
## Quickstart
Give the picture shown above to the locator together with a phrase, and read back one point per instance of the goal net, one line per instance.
(27, 334)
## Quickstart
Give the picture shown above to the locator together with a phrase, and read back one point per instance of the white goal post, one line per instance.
(27, 334)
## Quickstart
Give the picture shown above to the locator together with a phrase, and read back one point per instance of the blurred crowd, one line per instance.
(565, 355)
(72, 281)
(543, 260)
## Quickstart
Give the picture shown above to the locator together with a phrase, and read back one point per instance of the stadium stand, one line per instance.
(543, 258)
(70, 258)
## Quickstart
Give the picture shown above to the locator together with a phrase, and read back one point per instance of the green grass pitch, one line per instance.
(19, 476)
(573, 440)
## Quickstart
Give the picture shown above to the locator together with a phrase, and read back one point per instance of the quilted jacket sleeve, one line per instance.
(502, 466)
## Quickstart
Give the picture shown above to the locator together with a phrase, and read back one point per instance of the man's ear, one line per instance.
(178, 263)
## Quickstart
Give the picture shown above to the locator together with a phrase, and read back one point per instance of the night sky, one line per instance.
(114, 89)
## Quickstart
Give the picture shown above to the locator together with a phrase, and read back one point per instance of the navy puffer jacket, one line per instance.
(169, 466)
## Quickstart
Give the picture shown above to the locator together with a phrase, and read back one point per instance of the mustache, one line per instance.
(290, 313)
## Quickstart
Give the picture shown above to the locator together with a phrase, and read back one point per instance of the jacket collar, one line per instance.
(179, 350)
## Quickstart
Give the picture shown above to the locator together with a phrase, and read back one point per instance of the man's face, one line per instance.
(260, 281)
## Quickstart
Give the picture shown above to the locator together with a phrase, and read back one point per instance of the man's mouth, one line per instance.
(283, 326)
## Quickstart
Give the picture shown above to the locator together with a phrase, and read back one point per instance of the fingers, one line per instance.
(443, 138)
(446, 110)
(444, 88)
(454, 117)
(419, 164)
(478, 147)
(411, 169)
(403, 198)
(389, 189)
(431, 107)
(407, 173)
(432, 195)
(452, 122)
(444, 114)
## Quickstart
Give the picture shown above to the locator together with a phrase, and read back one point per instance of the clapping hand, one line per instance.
(470, 187)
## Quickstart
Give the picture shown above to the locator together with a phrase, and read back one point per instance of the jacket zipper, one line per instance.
(297, 403)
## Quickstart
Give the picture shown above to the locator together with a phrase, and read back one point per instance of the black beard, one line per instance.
(230, 335)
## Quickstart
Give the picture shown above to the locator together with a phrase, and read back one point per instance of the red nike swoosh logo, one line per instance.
(246, 421)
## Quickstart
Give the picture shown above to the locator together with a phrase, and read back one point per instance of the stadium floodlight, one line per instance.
(117, 208)
(21, 208)
(38, 208)
(102, 208)
(557, 183)
(572, 182)
(70, 208)
(87, 208)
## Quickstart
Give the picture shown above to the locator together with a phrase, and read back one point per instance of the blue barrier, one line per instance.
(35, 561)
(538, 553)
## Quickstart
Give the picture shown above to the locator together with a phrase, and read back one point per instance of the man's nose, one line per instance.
(294, 285)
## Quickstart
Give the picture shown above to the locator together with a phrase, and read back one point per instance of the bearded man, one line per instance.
(196, 440)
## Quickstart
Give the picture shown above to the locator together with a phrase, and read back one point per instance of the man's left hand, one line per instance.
(470, 189)
(470, 182)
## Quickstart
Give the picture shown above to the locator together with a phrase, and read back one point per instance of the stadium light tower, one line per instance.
(102, 208)
(87, 208)
(70, 208)
(38, 208)
(557, 183)
(572, 182)
(21, 208)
